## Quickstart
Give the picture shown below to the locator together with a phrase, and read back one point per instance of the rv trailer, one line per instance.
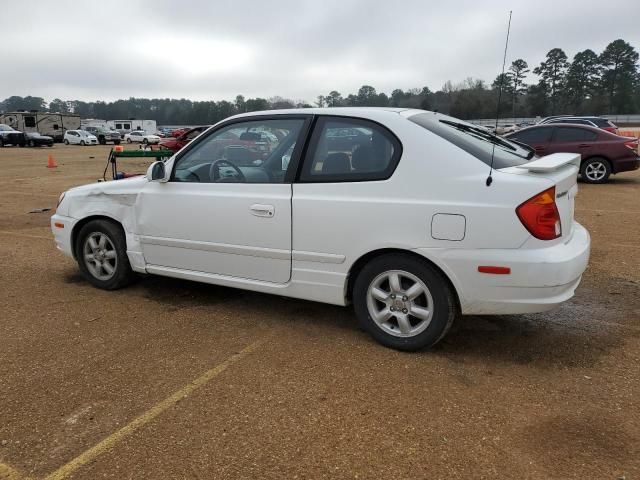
(126, 126)
(51, 124)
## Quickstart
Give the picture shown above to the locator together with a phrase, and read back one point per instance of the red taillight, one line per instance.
(540, 215)
(611, 130)
(632, 144)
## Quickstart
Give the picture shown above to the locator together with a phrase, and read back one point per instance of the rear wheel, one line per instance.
(101, 252)
(128, 140)
(145, 141)
(595, 170)
(32, 143)
(1, 142)
(403, 302)
(66, 142)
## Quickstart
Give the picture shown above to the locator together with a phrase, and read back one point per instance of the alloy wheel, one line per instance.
(100, 255)
(400, 303)
(595, 171)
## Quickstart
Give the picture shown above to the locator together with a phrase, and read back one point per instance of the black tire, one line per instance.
(128, 140)
(82, 144)
(445, 305)
(65, 141)
(101, 140)
(145, 141)
(116, 142)
(123, 275)
(32, 143)
(595, 170)
(1, 142)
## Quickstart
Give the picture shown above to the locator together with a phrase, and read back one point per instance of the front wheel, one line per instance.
(116, 142)
(82, 143)
(32, 143)
(101, 252)
(145, 141)
(128, 140)
(403, 302)
(66, 142)
(595, 170)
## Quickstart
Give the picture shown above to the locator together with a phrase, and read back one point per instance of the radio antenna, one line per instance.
(504, 61)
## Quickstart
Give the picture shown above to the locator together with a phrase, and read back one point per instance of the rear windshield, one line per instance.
(601, 122)
(475, 140)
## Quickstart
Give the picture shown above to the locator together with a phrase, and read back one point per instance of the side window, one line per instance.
(119, 126)
(29, 121)
(55, 126)
(193, 134)
(255, 151)
(568, 134)
(350, 150)
(533, 135)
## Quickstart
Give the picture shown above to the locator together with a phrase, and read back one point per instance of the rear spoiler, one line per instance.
(552, 162)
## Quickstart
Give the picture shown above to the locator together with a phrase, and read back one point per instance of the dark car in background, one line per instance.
(175, 144)
(603, 153)
(34, 139)
(597, 122)
(104, 135)
(9, 136)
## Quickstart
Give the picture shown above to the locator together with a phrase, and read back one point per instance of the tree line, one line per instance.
(591, 83)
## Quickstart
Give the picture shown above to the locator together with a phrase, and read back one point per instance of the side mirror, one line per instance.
(156, 172)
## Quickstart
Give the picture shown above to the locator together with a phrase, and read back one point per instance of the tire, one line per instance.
(32, 143)
(102, 141)
(1, 143)
(116, 142)
(93, 270)
(66, 142)
(82, 144)
(435, 302)
(145, 141)
(595, 170)
(128, 140)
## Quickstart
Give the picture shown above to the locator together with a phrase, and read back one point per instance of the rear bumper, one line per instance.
(626, 164)
(540, 278)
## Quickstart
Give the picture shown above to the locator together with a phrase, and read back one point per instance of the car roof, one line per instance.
(364, 112)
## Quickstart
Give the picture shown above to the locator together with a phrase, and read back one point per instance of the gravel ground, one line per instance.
(156, 381)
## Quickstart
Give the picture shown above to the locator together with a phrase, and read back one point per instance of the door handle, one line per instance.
(584, 145)
(262, 210)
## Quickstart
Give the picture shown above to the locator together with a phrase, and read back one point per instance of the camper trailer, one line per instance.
(51, 124)
(126, 126)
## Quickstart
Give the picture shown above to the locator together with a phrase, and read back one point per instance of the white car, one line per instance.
(397, 220)
(141, 137)
(79, 137)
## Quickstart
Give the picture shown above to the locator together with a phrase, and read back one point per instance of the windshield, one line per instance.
(475, 140)
(6, 128)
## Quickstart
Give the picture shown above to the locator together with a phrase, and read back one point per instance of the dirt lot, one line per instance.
(171, 379)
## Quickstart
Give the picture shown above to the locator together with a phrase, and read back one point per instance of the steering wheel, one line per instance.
(214, 171)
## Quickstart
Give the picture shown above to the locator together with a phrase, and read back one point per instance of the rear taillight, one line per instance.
(540, 215)
(611, 130)
(632, 144)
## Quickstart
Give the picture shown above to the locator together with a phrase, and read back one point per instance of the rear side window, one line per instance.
(601, 122)
(567, 134)
(533, 135)
(350, 150)
(475, 140)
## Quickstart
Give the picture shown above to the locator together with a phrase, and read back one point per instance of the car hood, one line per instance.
(126, 186)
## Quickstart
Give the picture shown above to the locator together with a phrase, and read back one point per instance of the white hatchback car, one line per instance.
(394, 216)
(79, 137)
(141, 137)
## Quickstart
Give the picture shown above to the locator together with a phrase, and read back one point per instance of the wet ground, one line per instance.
(172, 379)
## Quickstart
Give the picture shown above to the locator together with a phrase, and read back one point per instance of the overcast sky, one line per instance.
(214, 50)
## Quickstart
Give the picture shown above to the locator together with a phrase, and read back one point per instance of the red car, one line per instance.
(175, 144)
(603, 153)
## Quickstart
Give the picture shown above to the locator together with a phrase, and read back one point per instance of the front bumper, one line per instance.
(61, 227)
(540, 278)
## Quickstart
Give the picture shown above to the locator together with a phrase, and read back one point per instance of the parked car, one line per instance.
(178, 132)
(9, 136)
(104, 135)
(504, 129)
(175, 144)
(602, 153)
(140, 136)
(597, 122)
(380, 224)
(36, 140)
(79, 137)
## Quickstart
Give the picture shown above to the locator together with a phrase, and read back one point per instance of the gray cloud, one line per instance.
(299, 49)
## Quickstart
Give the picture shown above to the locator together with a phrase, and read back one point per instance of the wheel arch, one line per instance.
(359, 264)
(81, 223)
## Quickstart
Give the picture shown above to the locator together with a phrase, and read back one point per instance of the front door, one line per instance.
(226, 209)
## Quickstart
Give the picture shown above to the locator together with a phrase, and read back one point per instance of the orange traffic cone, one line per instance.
(51, 163)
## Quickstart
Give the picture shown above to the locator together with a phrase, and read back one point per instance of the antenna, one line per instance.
(504, 61)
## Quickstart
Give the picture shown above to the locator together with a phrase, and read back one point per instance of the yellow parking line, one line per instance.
(108, 443)
(8, 473)
(26, 235)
